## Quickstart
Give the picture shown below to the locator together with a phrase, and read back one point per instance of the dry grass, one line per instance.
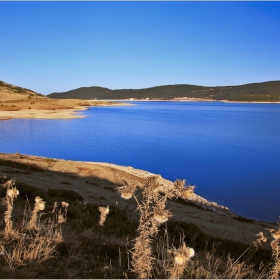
(152, 214)
(33, 239)
(275, 246)
(41, 244)
(175, 262)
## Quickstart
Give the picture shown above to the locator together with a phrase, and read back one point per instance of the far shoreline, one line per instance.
(77, 112)
(185, 100)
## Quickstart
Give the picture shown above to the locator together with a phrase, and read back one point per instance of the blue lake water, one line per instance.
(229, 151)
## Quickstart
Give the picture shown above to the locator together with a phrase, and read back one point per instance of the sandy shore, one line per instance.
(75, 113)
(41, 114)
(32, 106)
(97, 183)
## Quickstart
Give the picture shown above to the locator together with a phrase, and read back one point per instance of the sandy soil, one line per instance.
(97, 183)
(29, 105)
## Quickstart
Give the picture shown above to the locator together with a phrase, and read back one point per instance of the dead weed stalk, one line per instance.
(31, 240)
(275, 246)
(151, 207)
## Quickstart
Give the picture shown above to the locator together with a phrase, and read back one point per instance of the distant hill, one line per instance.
(5, 87)
(266, 91)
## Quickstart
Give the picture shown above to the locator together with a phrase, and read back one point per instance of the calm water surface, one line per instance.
(230, 151)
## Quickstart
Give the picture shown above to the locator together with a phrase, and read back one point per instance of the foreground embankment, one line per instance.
(97, 183)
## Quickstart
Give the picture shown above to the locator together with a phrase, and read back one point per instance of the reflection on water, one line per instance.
(230, 151)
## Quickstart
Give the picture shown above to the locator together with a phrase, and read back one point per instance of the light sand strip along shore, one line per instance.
(49, 114)
(42, 114)
(33, 106)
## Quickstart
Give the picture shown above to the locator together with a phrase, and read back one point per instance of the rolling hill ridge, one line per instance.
(266, 91)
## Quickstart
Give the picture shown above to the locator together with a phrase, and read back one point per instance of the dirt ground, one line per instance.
(97, 183)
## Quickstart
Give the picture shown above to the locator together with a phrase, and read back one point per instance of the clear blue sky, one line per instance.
(58, 46)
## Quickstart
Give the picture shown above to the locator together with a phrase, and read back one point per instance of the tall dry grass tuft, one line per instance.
(11, 195)
(275, 246)
(31, 240)
(31, 247)
(236, 270)
(151, 207)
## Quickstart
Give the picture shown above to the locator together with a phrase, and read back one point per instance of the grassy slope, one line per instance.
(267, 91)
(18, 102)
(56, 180)
(16, 89)
(91, 252)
